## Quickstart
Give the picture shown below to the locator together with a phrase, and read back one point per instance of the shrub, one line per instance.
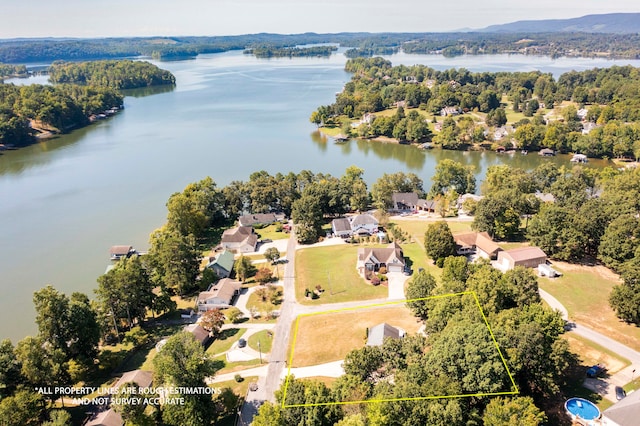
(382, 270)
(234, 315)
(264, 275)
(375, 281)
(238, 378)
(279, 227)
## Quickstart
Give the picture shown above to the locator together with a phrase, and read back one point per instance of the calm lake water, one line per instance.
(64, 202)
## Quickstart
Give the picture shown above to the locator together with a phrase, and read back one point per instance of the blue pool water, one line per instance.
(583, 408)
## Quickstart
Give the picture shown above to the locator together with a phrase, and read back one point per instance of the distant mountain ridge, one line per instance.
(611, 23)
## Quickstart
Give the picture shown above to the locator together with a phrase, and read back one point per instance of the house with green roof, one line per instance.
(222, 264)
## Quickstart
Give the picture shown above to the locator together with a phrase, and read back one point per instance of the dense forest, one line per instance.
(12, 71)
(80, 91)
(290, 52)
(552, 44)
(122, 74)
(594, 112)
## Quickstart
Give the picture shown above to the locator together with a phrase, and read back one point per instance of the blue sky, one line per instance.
(91, 18)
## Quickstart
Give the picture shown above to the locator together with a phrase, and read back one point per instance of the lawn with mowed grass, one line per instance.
(591, 353)
(417, 227)
(270, 233)
(330, 336)
(265, 337)
(584, 291)
(232, 367)
(225, 340)
(418, 259)
(334, 269)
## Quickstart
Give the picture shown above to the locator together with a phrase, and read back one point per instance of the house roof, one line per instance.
(386, 255)
(378, 332)
(198, 332)
(625, 412)
(480, 240)
(427, 204)
(142, 378)
(524, 253)
(223, 260)
(406, 198)
(341, 224)
(224, 289)
(106, 418)
(241, 234)
(259, 218)
(120, 250)
(363, 219)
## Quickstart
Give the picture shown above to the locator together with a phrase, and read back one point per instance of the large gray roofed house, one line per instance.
(241, 238)
(260, 219)
(404, 200)
(625, 412)
(378, 333)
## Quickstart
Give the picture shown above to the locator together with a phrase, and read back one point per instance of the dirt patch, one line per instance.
(601, 270)
(591, 356)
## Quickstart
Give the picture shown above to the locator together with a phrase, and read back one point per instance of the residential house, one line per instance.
(625, 412)
(241, 239)
(260, 219)
(110, 417)
(582, 113)
(198, 332)
(364, 223)
(341, 227)
(449, 111)
(426, 205)
(222, 264)
(118, 252)
(377, 334)
(372, 259)
(404, 200)
(465, 197)
(219, 295)
(479, 243)
(529, 257)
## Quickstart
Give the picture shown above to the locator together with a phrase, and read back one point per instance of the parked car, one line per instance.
(620, 393)
(242, 343)
(595, 371)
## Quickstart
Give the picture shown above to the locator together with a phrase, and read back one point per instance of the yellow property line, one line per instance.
(515, 390)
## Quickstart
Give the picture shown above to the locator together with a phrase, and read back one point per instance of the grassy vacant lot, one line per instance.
(584, 291)
(225, 340)
(270, 233)
(231, 367)
(329, 337)
(417, 227)
(591, 353)
(333, 268)
(263, 308)
(415, 252)
(265, 337)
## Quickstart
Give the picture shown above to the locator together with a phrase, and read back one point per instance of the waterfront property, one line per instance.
(241, 239)
(362, 224)
(120, 251)
(260, 219)
(403, 201)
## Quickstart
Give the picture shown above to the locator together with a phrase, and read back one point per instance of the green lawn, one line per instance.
(584, 291)
(231, 367)
(418, 258)
(225, 340)
(334, 269)
(417, 228)
(263, 308)
(270, 233)
(265, 337)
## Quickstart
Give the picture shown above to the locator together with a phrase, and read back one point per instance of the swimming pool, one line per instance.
(579, 407)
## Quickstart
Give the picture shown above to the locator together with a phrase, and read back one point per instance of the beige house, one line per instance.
(219, 295)
(529, 257)
(241, 239)
(372, 259)
(479, 243)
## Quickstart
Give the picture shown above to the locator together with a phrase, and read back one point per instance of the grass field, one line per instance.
(225, 340)
(417, 228)
(333, 268)
(265, 337)
(591, 353)
(584, 291)
(263, 307)
(329, 337)
(269, 232)
(232, 367)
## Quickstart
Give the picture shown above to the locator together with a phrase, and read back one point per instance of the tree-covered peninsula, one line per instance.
(122, 74)
(289, 52)
(594, 112)
(81, 93)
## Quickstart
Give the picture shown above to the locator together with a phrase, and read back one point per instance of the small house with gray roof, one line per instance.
(377, 334)
(370, 260)
(403, 201)
(260, 219)
(364, 224)
(341, 227)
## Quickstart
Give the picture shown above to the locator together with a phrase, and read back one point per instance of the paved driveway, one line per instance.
(396, 285)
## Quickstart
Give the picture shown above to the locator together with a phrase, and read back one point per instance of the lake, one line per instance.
(65, 201)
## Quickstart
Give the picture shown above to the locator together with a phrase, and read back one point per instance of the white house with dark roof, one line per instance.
(372, 259)
(341, 227)
(404, 200)
(241, 239)
(364, 224)
(377, 334)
